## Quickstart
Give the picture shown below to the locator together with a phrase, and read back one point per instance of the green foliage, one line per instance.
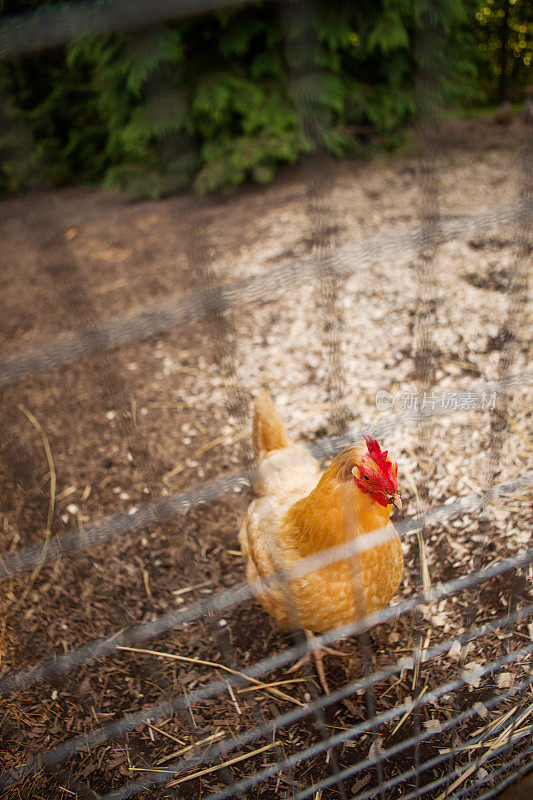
(52, 129)
(488, 32)
(215, 100)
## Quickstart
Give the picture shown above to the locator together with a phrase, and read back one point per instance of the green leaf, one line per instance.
(389, 34)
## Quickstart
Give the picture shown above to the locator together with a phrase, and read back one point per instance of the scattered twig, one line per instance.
(165, 733)
(264, 686)
(238, 709)
(167, 477)
(492, 746)
(235, 760)
(51, 504)
(146, 581)
(214, 664)
(409, 711)
(187, 589)
(206, 740)
(229, 438)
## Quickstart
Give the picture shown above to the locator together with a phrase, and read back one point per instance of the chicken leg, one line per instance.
(317, 655)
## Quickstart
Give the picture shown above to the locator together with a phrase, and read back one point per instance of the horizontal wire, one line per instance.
(422, 790)
(135, 788)
(362, 727)
(19, 562)
(454, 772)
(158, 317)
(177, 767)
(434, 762)
(121, 727)
(349, 772)
(123, 15)
(58, 24)
(491, 775)
(222, 749)
(97, 533)
(61, 665)
(501, 786)
(430, 763)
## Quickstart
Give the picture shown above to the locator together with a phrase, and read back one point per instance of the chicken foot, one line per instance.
(317, 655)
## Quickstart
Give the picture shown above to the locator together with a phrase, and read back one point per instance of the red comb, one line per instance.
(379, 456)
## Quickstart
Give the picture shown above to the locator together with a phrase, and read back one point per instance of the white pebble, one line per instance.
(504, 680)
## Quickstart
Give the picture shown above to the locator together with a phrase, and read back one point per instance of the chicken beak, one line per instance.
(396, 500)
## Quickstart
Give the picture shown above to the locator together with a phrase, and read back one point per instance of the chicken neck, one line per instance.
(333, 513)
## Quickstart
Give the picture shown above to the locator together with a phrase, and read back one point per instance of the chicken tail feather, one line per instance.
(268, 432)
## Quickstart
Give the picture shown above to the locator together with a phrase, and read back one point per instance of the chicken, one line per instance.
(298, 512)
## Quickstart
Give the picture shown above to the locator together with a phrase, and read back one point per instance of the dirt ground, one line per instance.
(162, 415)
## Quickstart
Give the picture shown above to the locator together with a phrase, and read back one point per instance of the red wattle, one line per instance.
(381, 499)
(377, 497)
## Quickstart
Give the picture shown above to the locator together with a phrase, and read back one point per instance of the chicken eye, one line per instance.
(366, 477)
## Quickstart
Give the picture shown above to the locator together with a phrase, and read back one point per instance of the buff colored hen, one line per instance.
(299, 511)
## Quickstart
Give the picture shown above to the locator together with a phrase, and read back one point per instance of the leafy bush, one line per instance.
(490, 18)
(217, 99)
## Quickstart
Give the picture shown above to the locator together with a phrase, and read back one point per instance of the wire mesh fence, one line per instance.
(434, 699)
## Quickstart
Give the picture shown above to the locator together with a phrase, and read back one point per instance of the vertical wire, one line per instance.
(16, 145)
(224, 339)
(305, 79)
(317, 171)
(509, 336)
(73, 296)
(330, 313)
(161, 92)
(327, 302)
(18, 461)
(429, 63)
(366, 654)
(301, 44)
(223, 334)
(72, 286)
